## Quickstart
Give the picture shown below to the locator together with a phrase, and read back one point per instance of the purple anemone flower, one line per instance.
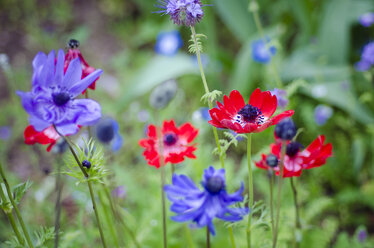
(367, 19)
(261, 52)
(281, 95)
(168, 43)
(322, 113)
(202, 206)
(367, 58)
(51, 100)
(182, 12)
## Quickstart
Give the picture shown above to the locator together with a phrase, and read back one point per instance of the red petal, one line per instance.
(229, 106)
(188, 132)
(237, 100)
(281, 116)
(256, 98)
(269, 104)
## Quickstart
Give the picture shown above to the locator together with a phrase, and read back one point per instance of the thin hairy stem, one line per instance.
(207, 237)
(18, 213)
(88, 127)
(280, 181)
(250, 189)
(189, 236)
(271, 183)
(11, 218)
(297, 213)
(59, 186)
(231, 233)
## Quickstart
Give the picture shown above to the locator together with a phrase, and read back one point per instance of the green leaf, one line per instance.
(158, 70)
(19, 190)
(358, 151)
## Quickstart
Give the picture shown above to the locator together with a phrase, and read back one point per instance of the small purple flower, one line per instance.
(168, 43)
(119, 192)
(362, 236)
(281, 95)
(322, 113)
(202, 206)
(262, 53)
(367, 19)
(52, 96)
(107, 132)
(367, 58)
(182, 12)
(5, 132)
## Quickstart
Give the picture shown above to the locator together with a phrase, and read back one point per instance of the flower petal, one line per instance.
(73, 74)
(80, 86)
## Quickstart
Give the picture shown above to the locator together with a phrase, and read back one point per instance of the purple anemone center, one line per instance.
(170, 139)
(215, 184)
(293, 148)
(61, 98)
(251, 114)
(272, 160)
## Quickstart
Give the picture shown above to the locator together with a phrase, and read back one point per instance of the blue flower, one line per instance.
(261, 53)
(367, 19)
(322, 113)
(107, 132)
(52, 97)
(367, 58)
(202, 206)
(281, 95)
(182, 12)
(168, 43)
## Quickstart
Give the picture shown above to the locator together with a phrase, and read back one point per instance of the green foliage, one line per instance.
(196, 41)
(210, 96)
(225, 144)
(20, 189)
(44, 236)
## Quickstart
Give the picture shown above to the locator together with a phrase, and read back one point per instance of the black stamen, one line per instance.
(251, 114)
(170, 139)
(293, 148)
(272, 160)
(61, 98)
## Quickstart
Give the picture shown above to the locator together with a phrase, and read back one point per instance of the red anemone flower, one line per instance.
(176, 143)
(295, 161)
(45, 137)
(73, 53)
(253, 117)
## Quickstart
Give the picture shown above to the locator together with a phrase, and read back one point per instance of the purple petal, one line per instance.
(38, 124)
(60, 67)
(48, 70)
(87, 111)
(73, 73)
(26, 100)
(67, 129)
(80, 86)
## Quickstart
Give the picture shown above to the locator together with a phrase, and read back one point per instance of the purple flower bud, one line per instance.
(367, 19)
(168, 43)
(361, 236)
(119, 192)
(322, 113)
(285, 129)
(261, 52)
(367, 58)
(281, 97)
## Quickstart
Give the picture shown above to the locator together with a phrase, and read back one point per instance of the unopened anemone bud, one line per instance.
(86, 163)
(293, 148)
(272, 160)
(285, 129)
(105, 131)
(73, 43)
(163, 94)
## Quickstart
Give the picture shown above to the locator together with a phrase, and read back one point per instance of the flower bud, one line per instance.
(285, 129)
(163, 94)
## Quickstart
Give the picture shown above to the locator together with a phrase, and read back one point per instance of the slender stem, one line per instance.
(231, 233)
(297, 215)
(172, 169)
(280, 181)
(206, 88)
(108, 220)
(271, 182)
(89, 186)
(88, 127)
(18, 213)
(250, 189)
(59, 186)
(11, 218)
(189, 236)
(253, 7)
(163, 201)
(207, 237)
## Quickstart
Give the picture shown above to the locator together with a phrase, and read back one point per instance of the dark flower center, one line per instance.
(215, 184)
(251, 114)
(285, 129)
(170, 139)
(293, 148)
(61, 98)
(73, 43)
(86, 163)
(272, 160)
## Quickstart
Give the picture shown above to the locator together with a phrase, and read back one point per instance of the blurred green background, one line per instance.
(317, 42)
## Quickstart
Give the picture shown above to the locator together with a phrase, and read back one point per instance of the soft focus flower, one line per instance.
(176, 143)
(367, 58)
(107, 132)
(168, 43)
(295, 160)
(262, 52)
(74, 53)
(119, 192)
(5, 132)
(163, 94)
(362, 236)
(51, 100)
(322, 113)
(182, 12)
(367, 19)
(253, 117)
(202, 114)
(281, 97)
(202, 206)
(48, 136)
(285, 129)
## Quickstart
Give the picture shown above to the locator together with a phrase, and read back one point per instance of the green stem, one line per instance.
(297, 215)
(18, 213)
(254, 7)
(280, 181)
(207, 237)
(89, 187)
(206, 88)
(271, 183)
(108, 219)
(88, 127)
(231, 233)
(250, 189)
(59, 186)
(189, 237)
(11, 218)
